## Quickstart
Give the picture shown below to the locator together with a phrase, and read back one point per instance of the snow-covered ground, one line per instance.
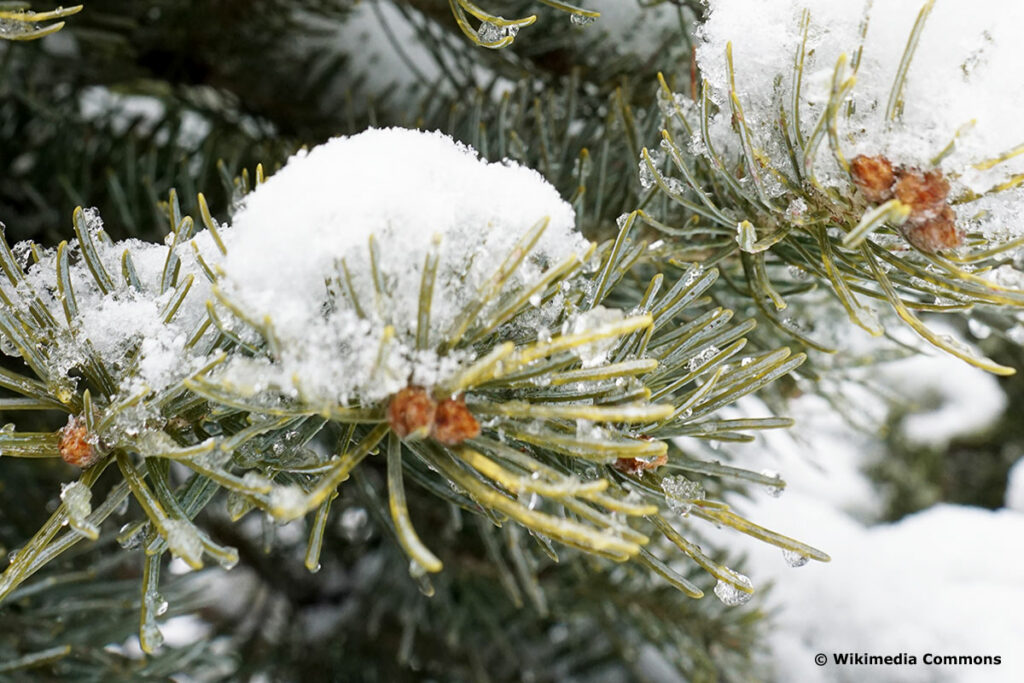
(946, 581)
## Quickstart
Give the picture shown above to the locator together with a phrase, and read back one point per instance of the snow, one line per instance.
(117, 322)
(369, 37)
(633, 28)
(300, 246)
(944, 581)
(1015, 487)
(963, 78)
(946, 397)
(123, 111)
(414, 194)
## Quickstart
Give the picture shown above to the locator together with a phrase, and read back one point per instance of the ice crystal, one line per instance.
(730, 594)
(795, 559)
(680, 493)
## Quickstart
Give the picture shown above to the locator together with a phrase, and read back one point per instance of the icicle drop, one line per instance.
(795, 559)
(489, 33)
(774, 490)
(730, 594)
(680, 493)
(702, 357)
(645, 174)
(134, 540)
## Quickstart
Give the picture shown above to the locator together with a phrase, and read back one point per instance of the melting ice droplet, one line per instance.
(774, 490)
(183, 541)
(730, 594)
(680, 493)
(646, 176)
(795, 559)
(77, 499)
(489, 33)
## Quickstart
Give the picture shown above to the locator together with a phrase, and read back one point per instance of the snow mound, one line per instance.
(330, 253)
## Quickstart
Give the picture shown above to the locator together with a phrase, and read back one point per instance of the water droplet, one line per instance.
(150, 637)
(795, 559)
(530, 499)
(416, 570)
(774, 490)
(581, 19)
(680, 493)
(489, 33)
(645, 174)
(702, 357)
(8, 347)
(797, 273)
(730, 594)
(133, 541)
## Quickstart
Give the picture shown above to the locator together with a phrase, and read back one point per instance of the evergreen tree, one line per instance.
(427, 409)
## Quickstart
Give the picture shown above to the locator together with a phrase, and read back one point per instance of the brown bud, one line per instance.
(637, 466)
(925, 193)
(936, 233)
(76, 444)
(453, 423)
(411, 413)
(874, 176)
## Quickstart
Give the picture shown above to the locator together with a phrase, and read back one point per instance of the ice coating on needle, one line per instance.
(300, 257)
(962, 84)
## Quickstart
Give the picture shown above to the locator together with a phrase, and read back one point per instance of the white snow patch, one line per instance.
(125, 327)
(1015, 487)
(634, 28)
(98, 102)
(372, 36)
(330, 253)
(946, 398)
(944, 581)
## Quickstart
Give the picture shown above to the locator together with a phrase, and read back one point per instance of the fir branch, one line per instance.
(549, 411)
(826, 239)
(19, 23)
